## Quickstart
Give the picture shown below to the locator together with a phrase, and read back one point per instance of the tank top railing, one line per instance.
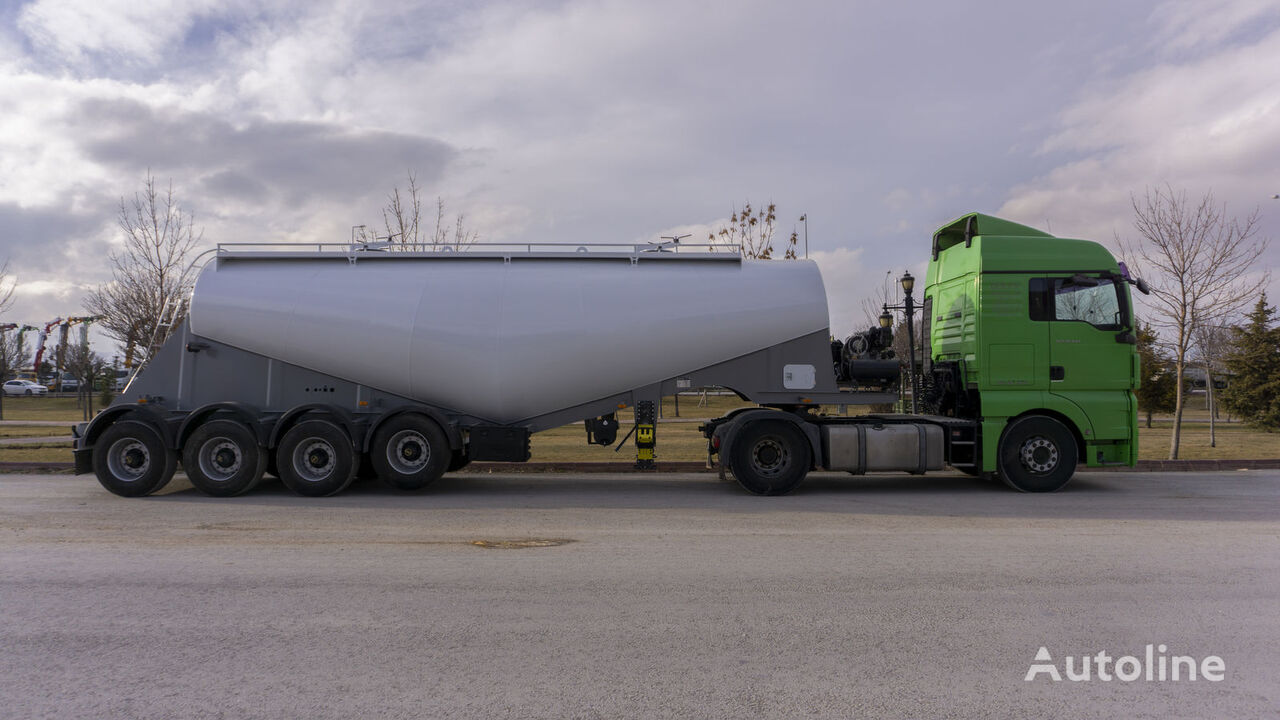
(559, 249)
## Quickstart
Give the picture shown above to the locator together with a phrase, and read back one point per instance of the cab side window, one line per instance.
(1082, 299)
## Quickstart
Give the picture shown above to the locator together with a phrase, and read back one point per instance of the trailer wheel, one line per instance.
(222, 458)
(131, 460)
(316, 459)
(410, 452)
(769, 457)
(1037, 454)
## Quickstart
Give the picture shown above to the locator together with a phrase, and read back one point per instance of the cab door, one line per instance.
(1091, 349)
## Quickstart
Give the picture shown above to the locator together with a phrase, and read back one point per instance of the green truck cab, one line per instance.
(1032, 337)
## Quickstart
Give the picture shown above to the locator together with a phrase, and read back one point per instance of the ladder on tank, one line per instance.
(171, 315)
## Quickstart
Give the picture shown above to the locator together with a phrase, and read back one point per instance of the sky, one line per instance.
(608, 121)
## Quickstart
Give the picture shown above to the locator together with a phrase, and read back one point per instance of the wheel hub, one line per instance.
(1039, 454)
(408, 452)
(128, 459)
(314, 460)
(134, 458)
(770, 457)
(219, 459)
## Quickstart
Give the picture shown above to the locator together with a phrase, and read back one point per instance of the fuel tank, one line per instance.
(505, 337)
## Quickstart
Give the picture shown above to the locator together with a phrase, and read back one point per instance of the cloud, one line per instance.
(135, 32)
(1212, 123)
(1190, 25)
(262, 160)
(847, 280)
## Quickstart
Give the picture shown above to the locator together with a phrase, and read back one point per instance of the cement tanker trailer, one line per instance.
(316, 361)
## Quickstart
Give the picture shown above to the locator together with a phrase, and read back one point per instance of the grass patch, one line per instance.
(37, 453)
(21, 431)
(45, 408)
(1234, 442)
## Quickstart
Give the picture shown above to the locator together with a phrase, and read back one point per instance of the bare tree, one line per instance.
(87, 366)
(752, 230)
(1197, 262)
(150, 272)
(14, 354)
(402, 218)
(8, 283)
(1212, 340)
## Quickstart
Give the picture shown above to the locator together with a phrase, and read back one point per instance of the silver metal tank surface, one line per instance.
(506, 340)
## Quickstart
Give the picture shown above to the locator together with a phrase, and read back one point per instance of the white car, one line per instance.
(24, 387)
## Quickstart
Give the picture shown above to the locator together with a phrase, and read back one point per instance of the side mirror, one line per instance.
(1142, 287)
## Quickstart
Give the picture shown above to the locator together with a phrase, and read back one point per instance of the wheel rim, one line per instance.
(769, 457)
(408, 452)
(220, 459)
(1039, 454)
(128, 459)
(314, 460)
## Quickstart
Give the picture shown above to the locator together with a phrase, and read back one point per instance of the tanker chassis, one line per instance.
(317, 363)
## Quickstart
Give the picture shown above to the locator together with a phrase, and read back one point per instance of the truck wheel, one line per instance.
(769, 457)
(410, 452)
(131, 460)
(315, 458)
(222, 458)
(1037, 454)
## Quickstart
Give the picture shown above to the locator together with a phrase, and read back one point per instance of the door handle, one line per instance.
(1057, 372)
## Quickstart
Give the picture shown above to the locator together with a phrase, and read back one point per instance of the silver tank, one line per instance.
(500, 337)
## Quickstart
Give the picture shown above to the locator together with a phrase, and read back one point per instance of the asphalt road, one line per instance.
(678, 597)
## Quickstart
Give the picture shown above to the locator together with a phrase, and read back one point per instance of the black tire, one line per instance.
(1037, 454)
(769, 457)
(131, 460)
(458, 461)
(366, 471)
(410, 452)
(223, 459)
(315, 458)
(28, 392)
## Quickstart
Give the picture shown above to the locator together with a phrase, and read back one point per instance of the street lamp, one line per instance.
(805, 219)
(908, 306)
